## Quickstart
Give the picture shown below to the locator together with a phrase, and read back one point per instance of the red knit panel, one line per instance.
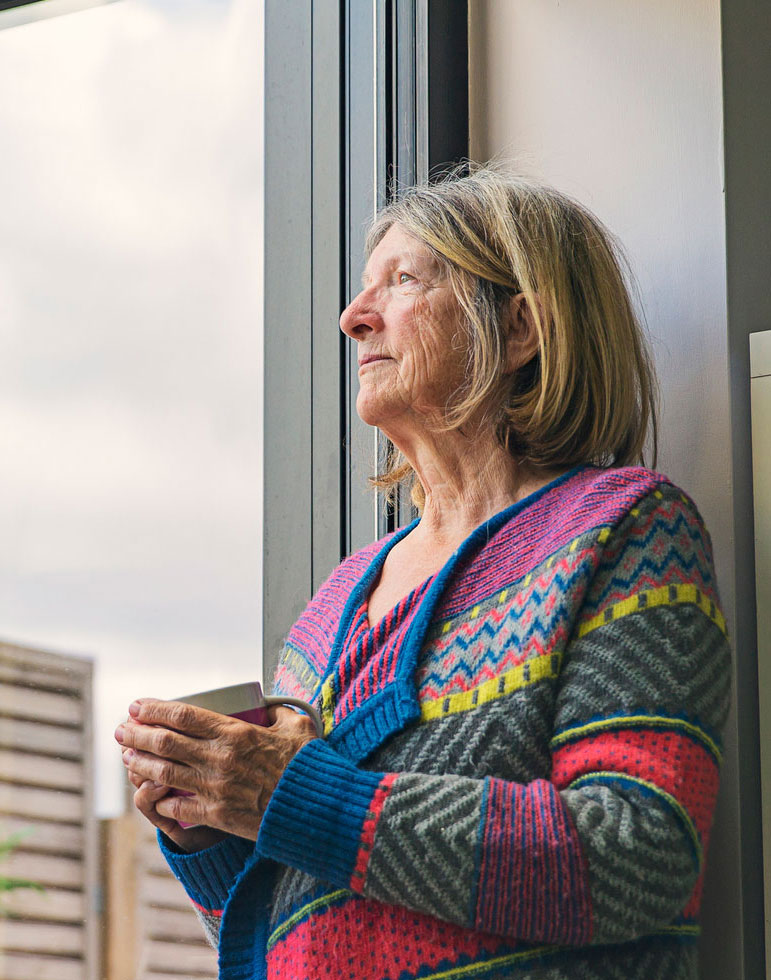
(365, 940)
(672, 761)
(368, 831)
(533, 879)
(201, 908)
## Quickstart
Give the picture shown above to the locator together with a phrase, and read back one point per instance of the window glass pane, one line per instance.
(130, 376)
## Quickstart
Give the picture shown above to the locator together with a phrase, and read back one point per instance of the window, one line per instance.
(131, 375)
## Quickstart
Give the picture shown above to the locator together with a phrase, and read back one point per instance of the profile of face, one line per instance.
(408, 329)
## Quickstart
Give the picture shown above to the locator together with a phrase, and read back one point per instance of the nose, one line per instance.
(360, 319)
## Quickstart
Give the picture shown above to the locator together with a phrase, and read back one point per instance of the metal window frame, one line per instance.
(14, 13)
(359, 98)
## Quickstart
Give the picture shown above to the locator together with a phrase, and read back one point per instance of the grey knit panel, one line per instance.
(292, 889)
(642, 867)
(425, 841)
(211, 926)
(508, 738)
(670, 659)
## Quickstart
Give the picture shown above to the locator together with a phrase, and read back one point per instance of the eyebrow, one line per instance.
(394, 262)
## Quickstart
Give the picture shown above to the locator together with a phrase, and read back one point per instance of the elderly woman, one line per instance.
(522, 691)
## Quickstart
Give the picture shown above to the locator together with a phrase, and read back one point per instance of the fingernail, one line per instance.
(134, 708)
(119, 732)
(128, 754)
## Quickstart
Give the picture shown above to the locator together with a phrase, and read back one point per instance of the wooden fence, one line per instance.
(151, 930)
(46, 780)
(109, 908)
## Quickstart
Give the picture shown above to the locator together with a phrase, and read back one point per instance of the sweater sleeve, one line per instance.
(207, 876)
(613, 845)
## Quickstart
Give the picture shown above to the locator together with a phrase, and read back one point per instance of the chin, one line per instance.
(373, 410)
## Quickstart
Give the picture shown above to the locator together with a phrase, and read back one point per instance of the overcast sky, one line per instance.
(130, 346)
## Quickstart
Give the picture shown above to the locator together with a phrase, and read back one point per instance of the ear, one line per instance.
(522, 337)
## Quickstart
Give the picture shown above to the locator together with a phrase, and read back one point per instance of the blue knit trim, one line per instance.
(208, 875)
(316, 814)
(245, 923)
(395, 706)
(387, 711)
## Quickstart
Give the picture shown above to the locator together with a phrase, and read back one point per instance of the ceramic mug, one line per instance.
(247, 702)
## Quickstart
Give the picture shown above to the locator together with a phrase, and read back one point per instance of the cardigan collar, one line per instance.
(395, 704)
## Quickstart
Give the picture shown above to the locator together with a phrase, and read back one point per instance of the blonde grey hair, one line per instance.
(589, 395)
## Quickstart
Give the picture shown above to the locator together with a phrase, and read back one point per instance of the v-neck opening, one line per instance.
(397, 610)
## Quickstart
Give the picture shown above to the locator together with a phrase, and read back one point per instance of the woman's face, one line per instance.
(407, 326)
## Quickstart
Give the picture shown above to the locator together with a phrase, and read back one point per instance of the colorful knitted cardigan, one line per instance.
(521, 784)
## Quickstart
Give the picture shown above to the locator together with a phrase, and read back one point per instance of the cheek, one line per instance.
(440, 351)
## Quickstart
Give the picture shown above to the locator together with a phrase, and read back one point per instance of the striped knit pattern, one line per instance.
(367, 839)
(528, 835)
(370, 654)
(527, 790)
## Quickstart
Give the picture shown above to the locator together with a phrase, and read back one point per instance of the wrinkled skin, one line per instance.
(407, 317)
(231, 766)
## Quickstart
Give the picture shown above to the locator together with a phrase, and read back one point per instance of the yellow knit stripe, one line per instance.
(603, 777)
(474, 969)
(297, 665)
(529, 672)
(666, 595)
(328, 704)
(633, 721)
(304, 912)
(683, 930)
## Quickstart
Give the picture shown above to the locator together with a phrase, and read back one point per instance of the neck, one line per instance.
(466, 479)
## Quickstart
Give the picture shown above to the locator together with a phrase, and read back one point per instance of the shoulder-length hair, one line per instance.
(589, 395)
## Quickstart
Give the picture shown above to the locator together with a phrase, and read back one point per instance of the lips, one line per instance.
(370, 358)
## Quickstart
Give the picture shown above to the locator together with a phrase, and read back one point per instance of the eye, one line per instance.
(405, 277)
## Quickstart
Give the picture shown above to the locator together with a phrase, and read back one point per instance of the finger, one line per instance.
(185, 718)
(145, 801)
(159, 741)
(162, 771)
(136, 781)
(181, 810)
(283, 718)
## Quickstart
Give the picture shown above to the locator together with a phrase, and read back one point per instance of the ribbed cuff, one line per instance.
(208, 875)
(315, 816)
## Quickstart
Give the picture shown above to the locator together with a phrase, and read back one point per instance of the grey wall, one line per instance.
(621, 105)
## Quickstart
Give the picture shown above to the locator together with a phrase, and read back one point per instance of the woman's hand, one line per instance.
(231, 767)
(191, 839)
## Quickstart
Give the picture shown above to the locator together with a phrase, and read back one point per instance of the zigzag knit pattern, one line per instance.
(522, 783)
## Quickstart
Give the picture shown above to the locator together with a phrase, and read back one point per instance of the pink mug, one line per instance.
(247, 702)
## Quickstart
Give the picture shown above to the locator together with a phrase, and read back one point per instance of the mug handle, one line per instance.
(309, 710)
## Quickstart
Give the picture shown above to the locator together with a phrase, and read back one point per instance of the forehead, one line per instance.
(395, 247)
